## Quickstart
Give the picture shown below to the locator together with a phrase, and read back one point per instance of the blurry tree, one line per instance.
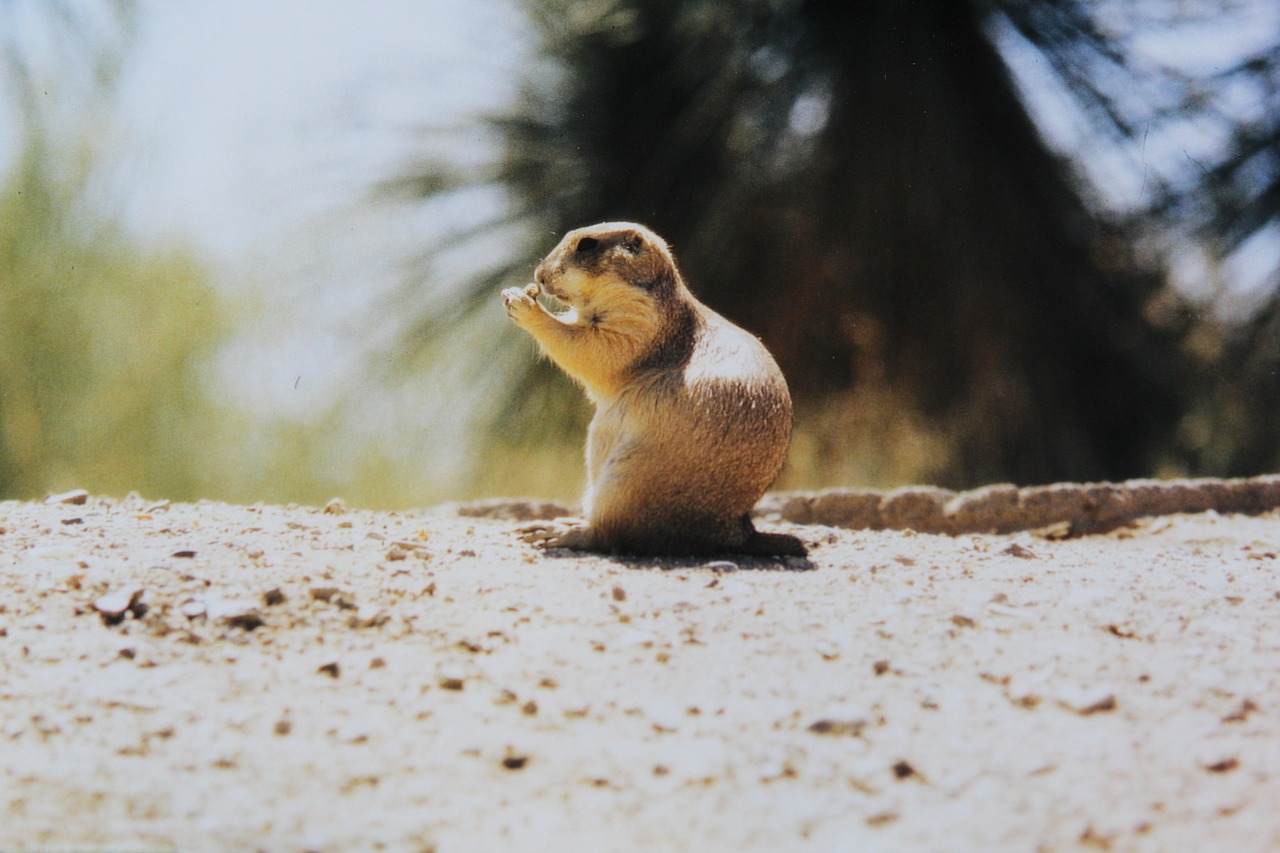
(1224, 198)
(59, 54)
(101, 342)
(1231, 202)
(861, 185)
(100, 348)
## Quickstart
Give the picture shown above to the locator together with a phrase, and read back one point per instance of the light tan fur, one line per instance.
(596, 355)
(692, 417)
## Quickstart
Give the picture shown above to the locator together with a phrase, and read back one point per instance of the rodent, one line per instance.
(693, 416)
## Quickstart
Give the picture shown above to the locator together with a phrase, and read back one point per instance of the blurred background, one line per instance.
(252, 251)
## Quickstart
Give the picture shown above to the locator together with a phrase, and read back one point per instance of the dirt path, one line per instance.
(280, 678)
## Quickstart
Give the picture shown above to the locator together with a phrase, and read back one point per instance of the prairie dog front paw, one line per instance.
(520, 301)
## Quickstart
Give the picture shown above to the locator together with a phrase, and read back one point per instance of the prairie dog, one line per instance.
(693, 416)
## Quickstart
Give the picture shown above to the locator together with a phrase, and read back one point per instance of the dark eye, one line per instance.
(586, 244)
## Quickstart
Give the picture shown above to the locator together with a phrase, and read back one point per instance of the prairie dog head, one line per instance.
(592, 267)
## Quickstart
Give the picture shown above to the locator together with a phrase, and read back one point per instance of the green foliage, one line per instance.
(102, 345)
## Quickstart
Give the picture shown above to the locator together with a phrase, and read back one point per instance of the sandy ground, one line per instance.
(209, 677)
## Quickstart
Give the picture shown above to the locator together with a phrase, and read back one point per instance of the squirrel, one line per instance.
(693, 416)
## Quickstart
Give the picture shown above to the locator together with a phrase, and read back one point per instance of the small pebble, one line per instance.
(352, 731)
(249, 620)
(333, 595)
(451, 680)
(193, 609)
(663, 718)
(235, 612)
(116, 603)
(841, 719)
(76, 497)
(1086, 700)
(836, 727)
(368, 616)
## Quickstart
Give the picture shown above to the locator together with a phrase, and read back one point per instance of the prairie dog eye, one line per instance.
(586, 244)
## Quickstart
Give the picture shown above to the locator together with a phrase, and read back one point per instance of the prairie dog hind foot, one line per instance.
(561, 533)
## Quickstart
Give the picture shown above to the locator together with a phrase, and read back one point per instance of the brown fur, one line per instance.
(692, 417)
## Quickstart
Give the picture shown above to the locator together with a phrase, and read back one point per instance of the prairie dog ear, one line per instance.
(633, 242)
